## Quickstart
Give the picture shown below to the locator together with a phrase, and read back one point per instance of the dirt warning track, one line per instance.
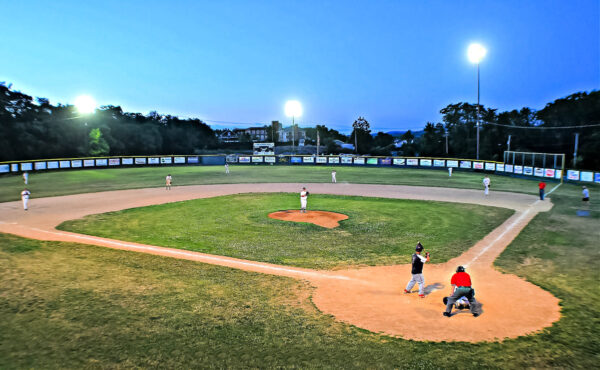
(370, 297)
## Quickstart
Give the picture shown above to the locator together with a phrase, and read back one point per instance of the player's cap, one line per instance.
(419, 247)
(460, 269)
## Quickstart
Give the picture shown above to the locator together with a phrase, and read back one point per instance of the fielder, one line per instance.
(25, 177)
(417, 270)
(227, 168)
(486, 185)
(303, 200)
(25, 198)
(449, 171)
(333, 179)
(461, 287)
(168, 180)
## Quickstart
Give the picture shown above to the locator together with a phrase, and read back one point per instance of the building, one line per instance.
(285, 135)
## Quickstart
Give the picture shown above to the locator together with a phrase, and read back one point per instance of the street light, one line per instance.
(476, 53)
(293, 109)
(85, 104)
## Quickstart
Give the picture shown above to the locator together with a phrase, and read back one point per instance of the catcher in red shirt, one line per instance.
(461, 287)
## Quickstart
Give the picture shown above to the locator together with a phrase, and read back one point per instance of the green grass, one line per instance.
(52, 183)
(378, 231)
(71, 306)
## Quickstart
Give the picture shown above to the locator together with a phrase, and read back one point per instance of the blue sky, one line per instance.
(397, 63)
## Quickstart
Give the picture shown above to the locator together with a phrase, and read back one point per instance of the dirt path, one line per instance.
(370, 297)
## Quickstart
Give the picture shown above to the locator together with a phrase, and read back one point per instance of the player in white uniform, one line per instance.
(303, 200)
(449, 171)
(227, 168)
(168, 180)
(486, 185)
(333, 174)
(25, 197)
(25, 177)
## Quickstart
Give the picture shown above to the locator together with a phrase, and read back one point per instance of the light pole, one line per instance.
(293, 109)
(476, 53)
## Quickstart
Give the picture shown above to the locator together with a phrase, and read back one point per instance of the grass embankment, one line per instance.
(52, 183)
(378, 231)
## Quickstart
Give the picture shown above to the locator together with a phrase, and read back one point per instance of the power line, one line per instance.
(543, 128)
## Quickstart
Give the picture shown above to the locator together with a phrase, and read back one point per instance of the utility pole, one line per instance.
(508, 143)
(318, 141)
(446, 141)
(356, 141)
(575, 152)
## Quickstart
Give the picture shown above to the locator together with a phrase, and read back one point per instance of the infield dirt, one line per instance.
(368, 297)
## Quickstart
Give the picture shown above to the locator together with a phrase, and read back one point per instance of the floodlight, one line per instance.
(293, 108)
(476, 53)
(85, 104)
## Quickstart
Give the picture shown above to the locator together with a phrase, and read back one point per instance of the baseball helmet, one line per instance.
(419, 247)
(460, 269)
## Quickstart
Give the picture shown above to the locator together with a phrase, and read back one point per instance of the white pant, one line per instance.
(303, 203)
(416, 278)
(25, 201)
(333, 179)
(487, 190)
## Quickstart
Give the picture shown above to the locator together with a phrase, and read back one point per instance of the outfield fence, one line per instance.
(301, 160)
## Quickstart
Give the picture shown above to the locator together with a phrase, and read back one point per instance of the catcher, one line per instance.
(461, 293)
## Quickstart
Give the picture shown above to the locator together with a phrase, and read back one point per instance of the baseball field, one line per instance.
(223, 285)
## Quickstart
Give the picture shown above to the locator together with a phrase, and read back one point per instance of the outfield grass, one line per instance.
(69, 306)
(378, 231)
(52, 183)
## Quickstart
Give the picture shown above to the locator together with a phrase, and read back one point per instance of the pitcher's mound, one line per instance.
(320, 218)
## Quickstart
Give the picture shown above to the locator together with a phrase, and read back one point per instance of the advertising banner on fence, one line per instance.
(453, 164)
(296, 160)
(597, 177)
(465, 164)
(412, 162)
(335, 160)
(346, 160)
(308, 159)
(399, 162)
(127, 161)
(528, 170)
(40, 166)
(26, 166)
(518, 169)
(500, 167)
(321, 159)
(549, 172)
(385, 161)
(244, 159)
(509, 168)
(257, 159)
(102, 162)
(586, 176)
(359, 160)
(52, 165)
(269, 159)
(558, 174)
(64, 164)
(89, 163)
(196, 160)
(372, 161)
(573, 175)
(77, 163)
(179, 160)
(490, 166)
(114, 162)
(439, 163)
(4, 168)
(538, 172)
(140, 161)
(425, 162)
(231, 158)
(478, 165)
(154, 160)
(166, 160)
(14, 167)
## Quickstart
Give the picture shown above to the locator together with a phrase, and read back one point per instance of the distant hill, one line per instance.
(400, 133)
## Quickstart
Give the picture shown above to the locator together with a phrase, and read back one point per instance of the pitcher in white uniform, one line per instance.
(333, 174)
(303, 200)
(25, 198)
(486, 185)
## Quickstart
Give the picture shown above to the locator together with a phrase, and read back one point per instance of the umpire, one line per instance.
(461, 287)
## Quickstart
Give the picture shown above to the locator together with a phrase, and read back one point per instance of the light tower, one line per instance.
(476, 53)
(293, 109)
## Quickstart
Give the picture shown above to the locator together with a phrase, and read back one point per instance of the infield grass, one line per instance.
(378, 231)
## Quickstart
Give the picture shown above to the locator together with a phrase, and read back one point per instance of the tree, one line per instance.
(361, 135)
(97, 145)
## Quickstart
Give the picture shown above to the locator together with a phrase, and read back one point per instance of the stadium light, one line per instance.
(85, 104)
(293, 109)
(476, 53)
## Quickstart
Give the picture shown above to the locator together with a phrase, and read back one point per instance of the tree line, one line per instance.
(33, 128)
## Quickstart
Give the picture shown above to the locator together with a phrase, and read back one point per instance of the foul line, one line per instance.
(509, 228)
(554, 188)
(203, 257)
